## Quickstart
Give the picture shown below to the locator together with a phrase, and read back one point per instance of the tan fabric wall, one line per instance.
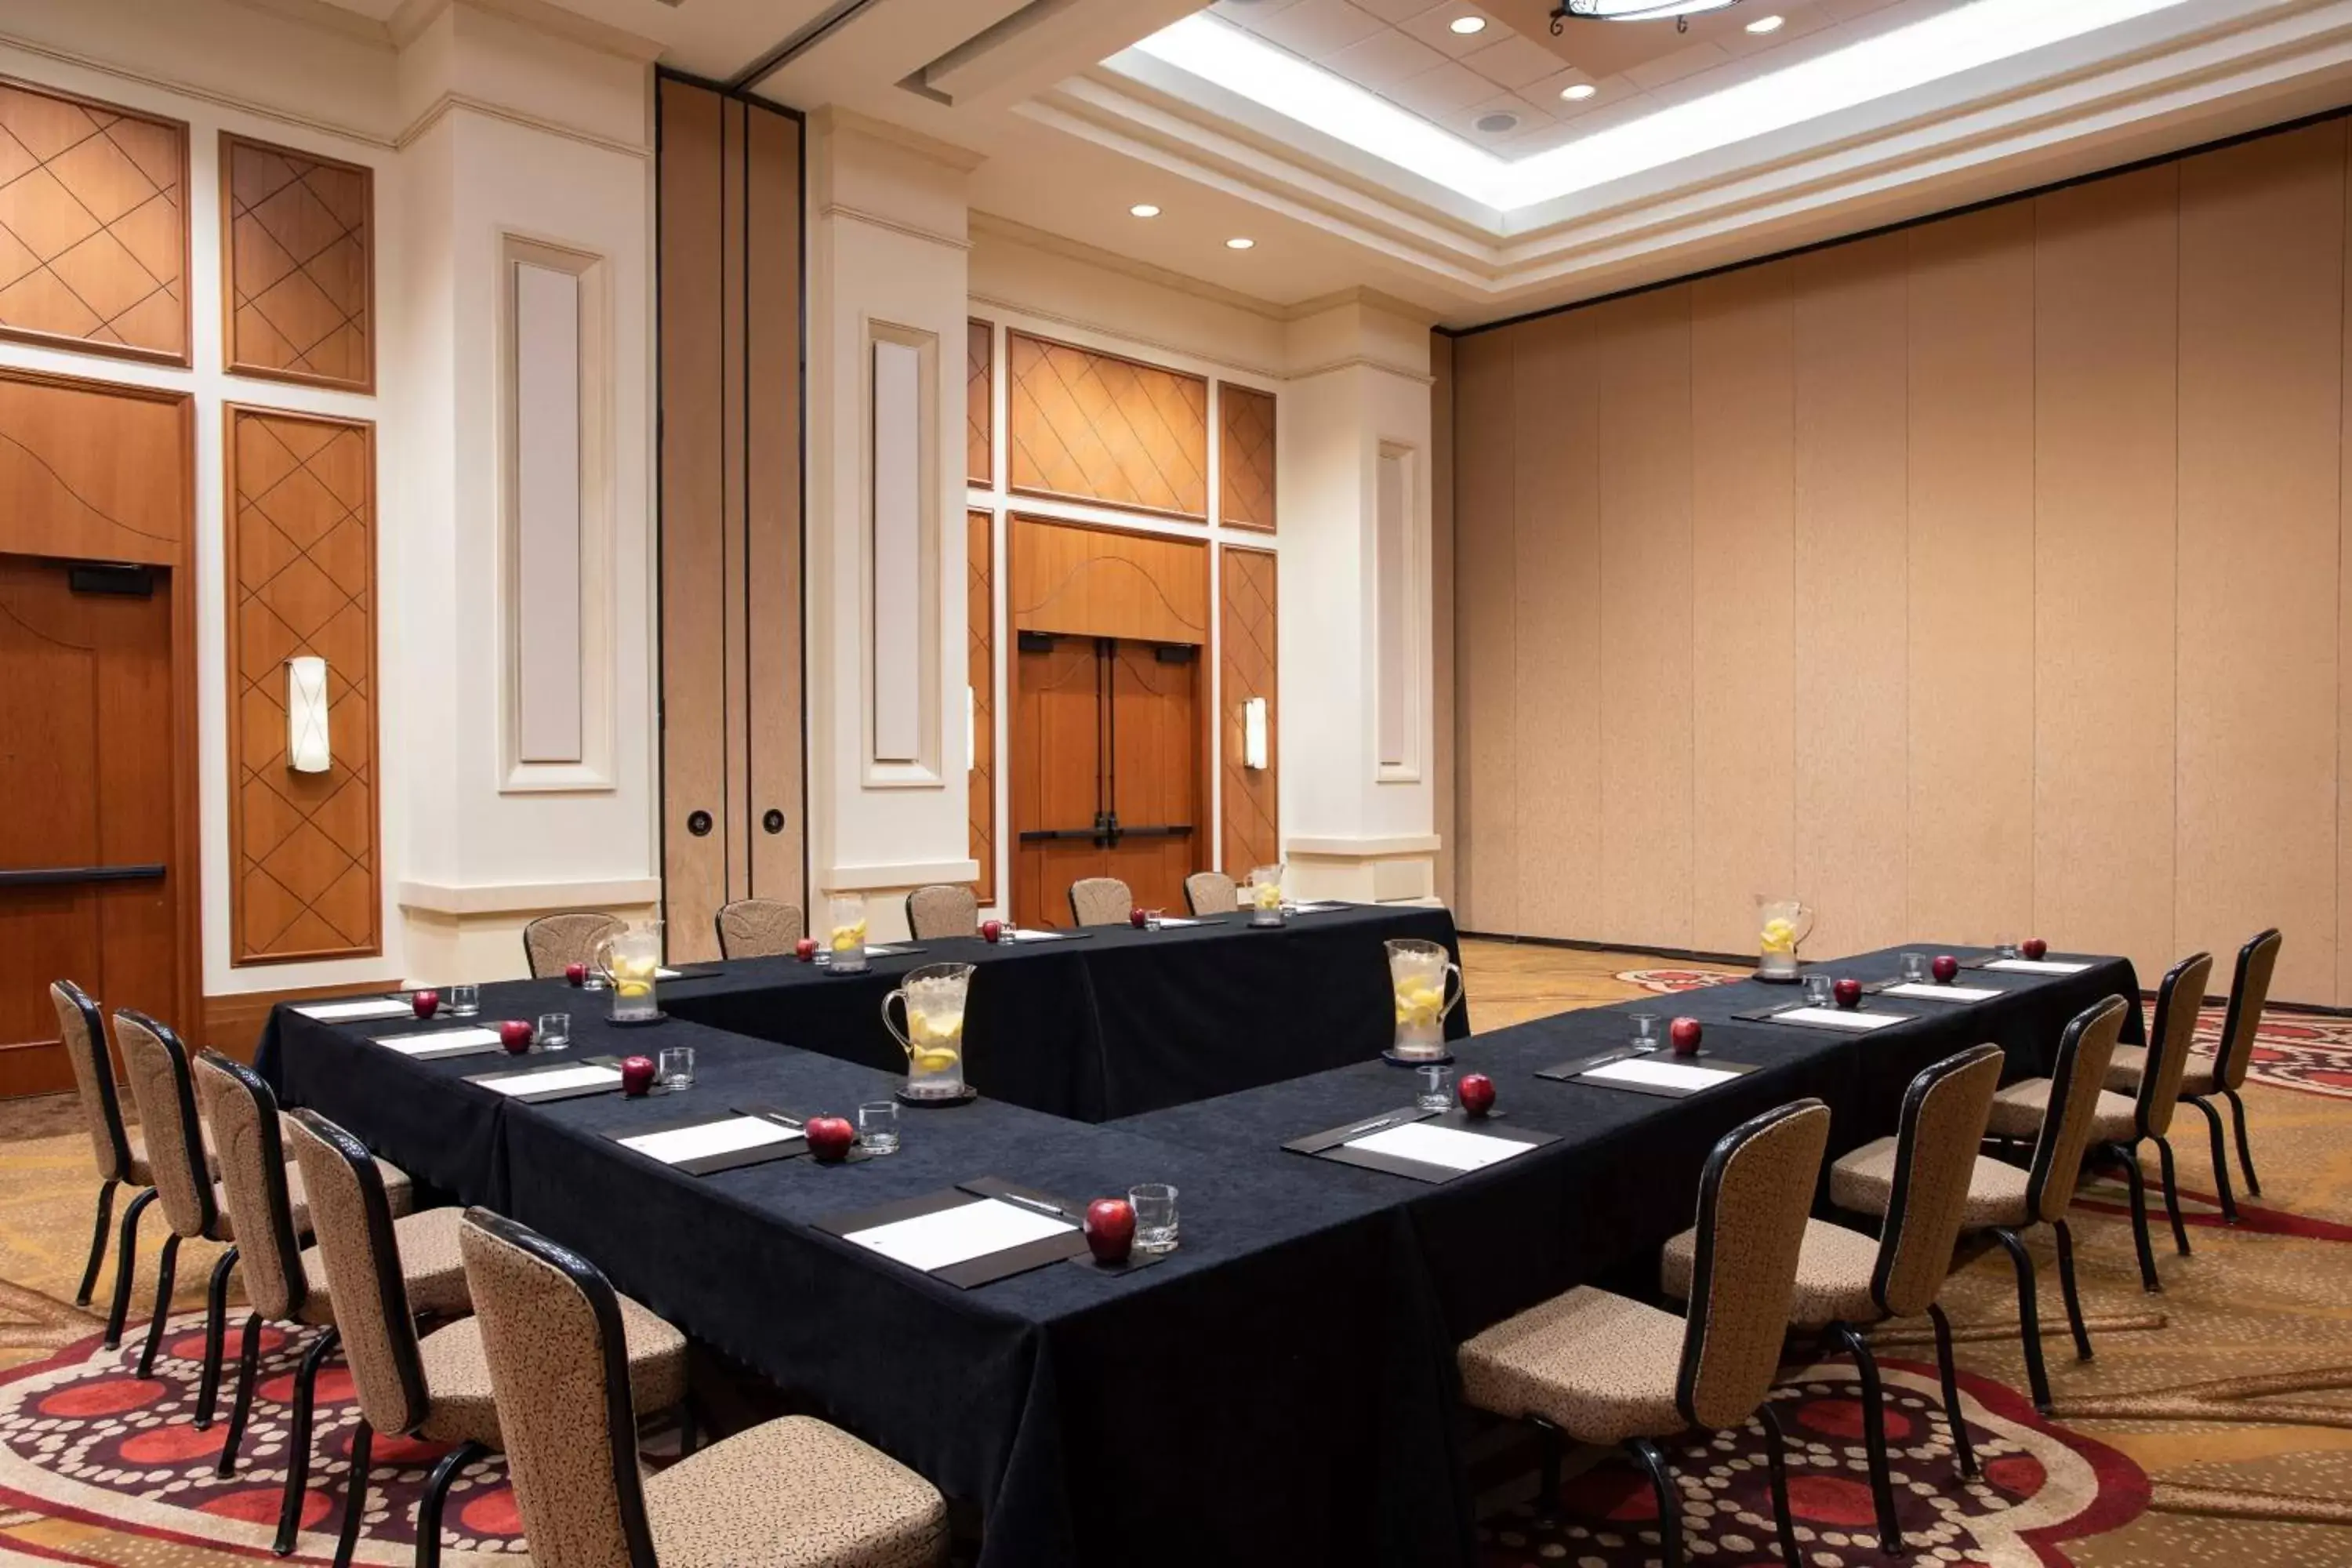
(1981, 579)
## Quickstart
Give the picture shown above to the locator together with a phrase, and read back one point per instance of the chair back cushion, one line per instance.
(243, 1114)
(2178, 1000)
(942, 910)
(84, 1035)
(1944, 1114)
(551, 943)
(2248, 993)
(1752, 1201)
(1211, 894)
(759, 927)
(357, 1247)
(155, 1065)
(2085, 1051)
(1100, 901)
(558, 1368)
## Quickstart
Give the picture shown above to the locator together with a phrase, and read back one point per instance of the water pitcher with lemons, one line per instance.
(1428, 986)
(1782, 924)
(630, 961)
(932, 998)
(1262, 896)
(844, 941)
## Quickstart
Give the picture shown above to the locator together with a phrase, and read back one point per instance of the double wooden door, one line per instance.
(1107, 771)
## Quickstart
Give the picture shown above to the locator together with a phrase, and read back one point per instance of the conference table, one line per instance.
(1279, 1389)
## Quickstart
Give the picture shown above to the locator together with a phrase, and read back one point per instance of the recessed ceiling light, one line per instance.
(1766, 24)
(1578, 92)
(1239, 243)
(1466, 25)
(1143, 209)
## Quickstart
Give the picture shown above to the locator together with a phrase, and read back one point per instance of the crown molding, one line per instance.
(326, 18)
(197, 93)
(833, 118)
(994, 226)
(414, 15)
(441, 108)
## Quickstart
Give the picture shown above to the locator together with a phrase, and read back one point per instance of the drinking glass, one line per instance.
(1155, 1216)
(1436, 1092)
(554, 1031)
(1818, 990)
(877, 1127)
(1915, 967)
(465, 1001)
(2005, 950)
(1645, 1029)
(675, 1068)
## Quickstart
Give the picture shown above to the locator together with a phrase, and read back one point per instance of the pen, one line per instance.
(1036, 1204)
(1368, 1126)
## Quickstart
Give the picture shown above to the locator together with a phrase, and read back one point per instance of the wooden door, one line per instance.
(1154, 786)
(89, 886)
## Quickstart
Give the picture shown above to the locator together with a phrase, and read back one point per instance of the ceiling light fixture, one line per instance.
(1577, 92)
(1143, 209)
(1239, 243)
(1766, 24)
(1633, 11)
(1466, 26)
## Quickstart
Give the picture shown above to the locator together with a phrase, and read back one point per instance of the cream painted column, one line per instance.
(887, 750)
(1358, 756)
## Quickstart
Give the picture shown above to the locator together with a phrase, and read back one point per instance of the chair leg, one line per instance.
(1775, 1442)
(436, 1494)
(2073, 1297)
(215, 1332)
(98, 1241)
(125, 1258)
(2029, 1315)
(2245, 1150)
(298, 1446)
(2220, 1155)
(355, 1493)
(1670, 1509)
(2171, 1194)
(1873, 1434)
(2128, 1158)
(1961, 1448)
(248, 1359)
(1550, 1444)
(163, 1305)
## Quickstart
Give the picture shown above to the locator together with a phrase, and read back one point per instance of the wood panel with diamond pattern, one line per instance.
(980, 624)
(1089, 426)
(1246, 645)
(299, 254)
(93, 226)
(303, 847)
(1246, 457)
(979, 411)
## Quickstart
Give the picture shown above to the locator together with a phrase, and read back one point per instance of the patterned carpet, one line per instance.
(2214, 1425)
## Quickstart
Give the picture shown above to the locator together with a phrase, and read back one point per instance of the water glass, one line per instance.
(465, 1001)
(1915, 967)
(1646, 1030)
(2005, 950)
(1436, 1091)
(1818, 993)
(554, 1032)
(877, 1127)
(1155, 1216)
(676, 1066)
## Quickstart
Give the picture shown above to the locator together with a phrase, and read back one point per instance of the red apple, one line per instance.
(829, 1137)
(426, 1003)
(1110, 1229)
(2033, 947)
(576, 973)
(1946, 969)
(515, 1035)
(636, 1076)
(1685, 1034)
(1136, 917)
(1848, 993)
(1476, 1093)
(805, 950)
(991, 931)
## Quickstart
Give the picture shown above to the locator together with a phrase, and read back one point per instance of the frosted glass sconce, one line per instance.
(307, 751)
(1253, 733)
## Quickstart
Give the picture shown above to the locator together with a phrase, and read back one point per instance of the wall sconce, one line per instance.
(970, 727)
(1253, 733)
(307, 751)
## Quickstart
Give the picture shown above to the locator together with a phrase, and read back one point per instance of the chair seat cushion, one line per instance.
(1599, 1367)
(430, 1267)
(1833, 1271)
(2019, 1110)
(457, 1373)
(794, 1493)
(1863, 1182)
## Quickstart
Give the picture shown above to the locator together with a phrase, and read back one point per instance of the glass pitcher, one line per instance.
(1782, 924)
(845, 937)
(932, 998)
(1263, 895)
(629, 960)
(1428, 986)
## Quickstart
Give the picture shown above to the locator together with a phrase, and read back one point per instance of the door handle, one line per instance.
(67, 876)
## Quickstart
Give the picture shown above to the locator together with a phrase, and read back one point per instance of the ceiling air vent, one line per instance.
(1498, 124)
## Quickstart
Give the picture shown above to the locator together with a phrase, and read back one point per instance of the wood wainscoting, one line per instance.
(297, 244)
(1089, 426)
(1247, 649)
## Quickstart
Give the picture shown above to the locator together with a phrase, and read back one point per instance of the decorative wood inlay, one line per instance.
(980, 420)
(1245, 461)
(979, 620)
(1092, 427)
(302, 847)
(93, 226)
(298, 252)
(93, 471)
(1107, 583)
(1246, 648)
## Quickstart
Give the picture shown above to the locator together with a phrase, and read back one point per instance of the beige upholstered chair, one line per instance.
(119, 1153)
(942, 910)
(1603, 1368)
(2003, 1199)
(1211, 894)
(1845, 1277)
(1100, 901)
(2223, 1073)
(793, 1492)
(551, 943)
(436, 1388)
(759, 927)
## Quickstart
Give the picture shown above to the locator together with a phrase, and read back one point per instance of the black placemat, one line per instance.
(1563, 1071)
(1333, 1143)
(989, 1267)
(733, 1160)
(483, 1048)
(1664, 1091)
(1772, 1015)
(549, 1097)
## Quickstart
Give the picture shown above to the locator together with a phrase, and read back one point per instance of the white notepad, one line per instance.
(2036, 966)
(1167, 921)
(1943, 993)
(541, 1082)
(680, 1144)
(1447, 1146)
(666, 974)
(1660, 1074)
(1033, 936)
(1319, 908)
(343, 1011)
(959, 1235)
(440, 1043)
(1839, 1018)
